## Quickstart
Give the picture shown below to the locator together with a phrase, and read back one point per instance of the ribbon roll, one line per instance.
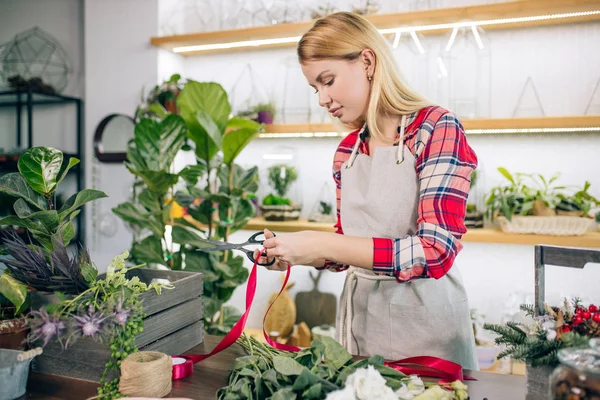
(182, 367)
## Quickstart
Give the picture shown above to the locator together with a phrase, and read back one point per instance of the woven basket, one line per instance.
(557, 225)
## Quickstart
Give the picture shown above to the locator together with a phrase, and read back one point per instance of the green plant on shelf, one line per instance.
(581, 202)
(510, 198)
(280, 177)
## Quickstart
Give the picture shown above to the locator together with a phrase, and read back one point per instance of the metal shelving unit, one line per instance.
(24, 102)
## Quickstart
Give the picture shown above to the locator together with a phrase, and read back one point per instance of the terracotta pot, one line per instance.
(13, 333)
(542, 210)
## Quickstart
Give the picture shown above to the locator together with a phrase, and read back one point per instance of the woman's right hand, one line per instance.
(278, 265)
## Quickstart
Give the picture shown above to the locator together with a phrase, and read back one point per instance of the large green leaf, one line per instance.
(244, 180)
(40, 167)
(66, 230)
(13, 290)
(185, 236)
(34, 227)
(79, 199)
(150, 201)
(72, 162)
(137, 215)
(240, 132)
(156, 181)
(242, 210)
(210, 127)
(158, 142)
(15, 185)
(191, 173)
(148, 251)
(48, 218)
(211, 99)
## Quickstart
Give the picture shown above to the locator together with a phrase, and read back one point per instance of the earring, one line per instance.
(369, 78)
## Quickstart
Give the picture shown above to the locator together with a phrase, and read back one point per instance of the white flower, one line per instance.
(551, 334)
(368, 384)
(435, 393)
(409, 390)
(346, 393)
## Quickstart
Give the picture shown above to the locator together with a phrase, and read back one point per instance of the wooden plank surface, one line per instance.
(188, 285)
(211, 374)
(477, 235)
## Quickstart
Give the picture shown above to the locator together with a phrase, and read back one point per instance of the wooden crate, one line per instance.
(173, 325)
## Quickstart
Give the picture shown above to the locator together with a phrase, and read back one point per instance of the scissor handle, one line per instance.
(251, 257)
(252, 239)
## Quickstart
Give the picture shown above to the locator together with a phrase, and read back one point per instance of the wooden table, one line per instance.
(211, 374)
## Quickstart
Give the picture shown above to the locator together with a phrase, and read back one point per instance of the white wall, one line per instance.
(119, 63)
(62, 19)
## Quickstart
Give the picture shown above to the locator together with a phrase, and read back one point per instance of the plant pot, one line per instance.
(265, 117)
(570, 213)
(13, 374)
(542, 210)
(13, 333)
(281, 213)
(538, 382)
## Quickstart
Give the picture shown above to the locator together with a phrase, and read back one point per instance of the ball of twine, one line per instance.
(146, 374)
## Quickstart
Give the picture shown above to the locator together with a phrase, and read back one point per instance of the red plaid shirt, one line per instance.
(444, 162)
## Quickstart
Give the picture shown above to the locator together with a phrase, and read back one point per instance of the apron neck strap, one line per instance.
(355, 149)
(400, 157)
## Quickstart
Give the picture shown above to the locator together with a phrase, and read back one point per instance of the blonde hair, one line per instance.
(343, 36)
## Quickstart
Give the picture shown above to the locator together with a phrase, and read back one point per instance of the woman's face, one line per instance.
(342, 87)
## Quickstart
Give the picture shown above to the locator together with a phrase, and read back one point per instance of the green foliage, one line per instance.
(215, 192)
(281, 177)
(13, 290)
(272, 200)
(579, 201)
(41, 170)
(269, 107)
(511, 198)
(312, 373)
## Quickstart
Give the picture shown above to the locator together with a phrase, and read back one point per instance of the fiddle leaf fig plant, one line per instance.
(215, 193)
(41, 170)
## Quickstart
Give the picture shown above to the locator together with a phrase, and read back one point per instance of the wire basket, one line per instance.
(556, 225)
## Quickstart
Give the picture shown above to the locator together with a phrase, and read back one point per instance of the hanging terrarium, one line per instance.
(34, 60)
(324, 208)
(277, 205)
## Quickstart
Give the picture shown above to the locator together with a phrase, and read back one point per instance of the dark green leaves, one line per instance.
(15, 185)
(40, 167)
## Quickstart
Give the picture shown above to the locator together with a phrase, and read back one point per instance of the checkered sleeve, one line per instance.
(444, 163)
(341, 156)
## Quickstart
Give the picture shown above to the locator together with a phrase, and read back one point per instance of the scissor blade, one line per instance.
(213, 245)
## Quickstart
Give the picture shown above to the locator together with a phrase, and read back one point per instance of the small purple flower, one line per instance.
(46, 327)
(121, 314)
(89, 324)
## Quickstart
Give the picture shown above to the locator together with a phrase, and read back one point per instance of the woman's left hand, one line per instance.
(298, 248)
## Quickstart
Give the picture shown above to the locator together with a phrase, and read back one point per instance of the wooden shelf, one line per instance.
(485, 235)
(426, 22)
(583, 123)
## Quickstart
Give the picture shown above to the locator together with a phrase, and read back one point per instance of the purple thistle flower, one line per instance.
(89, 324)
(121, 315)
(46, 327)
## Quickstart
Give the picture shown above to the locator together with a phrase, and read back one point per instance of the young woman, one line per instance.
(402, 182)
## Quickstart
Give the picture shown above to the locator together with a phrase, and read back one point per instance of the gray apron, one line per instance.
(425, 317)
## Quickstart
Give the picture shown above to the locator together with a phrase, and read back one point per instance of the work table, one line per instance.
(211, 374)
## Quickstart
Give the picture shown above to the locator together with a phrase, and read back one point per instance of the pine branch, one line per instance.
(528, 309)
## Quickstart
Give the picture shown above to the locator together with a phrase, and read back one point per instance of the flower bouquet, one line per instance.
(325, 371)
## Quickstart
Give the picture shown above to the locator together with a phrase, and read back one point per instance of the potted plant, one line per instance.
(473, 217)
(13, 304)
(509, 199)
(265, 113)
(578, 204)
(215, 192)
(161, 100)
(546, 197)
(276, 206)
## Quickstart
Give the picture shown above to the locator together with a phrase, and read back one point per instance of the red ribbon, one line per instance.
(422, 366)
(430, 367)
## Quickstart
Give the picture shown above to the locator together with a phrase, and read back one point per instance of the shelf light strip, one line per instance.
(410, 29)
(289, 135)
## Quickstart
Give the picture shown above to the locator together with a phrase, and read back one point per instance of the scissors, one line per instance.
(222, 246)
